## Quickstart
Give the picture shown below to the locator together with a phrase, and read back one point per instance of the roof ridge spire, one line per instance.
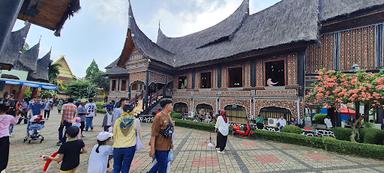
(246, 3)
(131, 17)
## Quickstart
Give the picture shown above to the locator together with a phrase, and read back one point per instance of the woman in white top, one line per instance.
(328, 122)
(222, 129)
(98, 160)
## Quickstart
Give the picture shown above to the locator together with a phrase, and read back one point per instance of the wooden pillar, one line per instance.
(129, 87)
(219, 76)
(165, 86)
(379, 46)
(301, 72)
(337, 51)
(146, 87)
(253, 74)
(9, 10)
(193, 79)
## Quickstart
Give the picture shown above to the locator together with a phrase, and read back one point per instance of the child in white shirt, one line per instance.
(98, 160)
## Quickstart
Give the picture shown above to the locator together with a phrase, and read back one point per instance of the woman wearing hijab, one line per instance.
(222, 129)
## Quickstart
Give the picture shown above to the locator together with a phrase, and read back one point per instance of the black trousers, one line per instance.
(4, 156)
(62, 137)
(221, 141)
(23, 117)
(106, 128)
(46, 113)
(260, 125)
(82, 126)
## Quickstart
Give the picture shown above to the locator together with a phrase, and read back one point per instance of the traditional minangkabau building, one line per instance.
(28, 71)
(65, 76)
(50, 14)
(65, 72)
(233, 64)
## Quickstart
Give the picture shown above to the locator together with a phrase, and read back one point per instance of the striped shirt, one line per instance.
(69, 112)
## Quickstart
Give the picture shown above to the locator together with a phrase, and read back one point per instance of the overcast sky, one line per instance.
(98, 30)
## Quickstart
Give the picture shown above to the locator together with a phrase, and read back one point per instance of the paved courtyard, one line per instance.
(192, 154)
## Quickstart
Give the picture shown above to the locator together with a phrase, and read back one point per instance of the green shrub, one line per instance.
(195, 125)
(372, 136)
(100, 104)
(292, 129)
(101, 110)
(329, 144)
(319, 118)
(368, 124)
(342, 133)
(176, 115)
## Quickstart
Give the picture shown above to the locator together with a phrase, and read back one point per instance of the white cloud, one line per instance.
(108, 10)
(208, 14)
(188, 17)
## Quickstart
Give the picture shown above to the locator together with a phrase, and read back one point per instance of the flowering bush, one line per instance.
(335, 88)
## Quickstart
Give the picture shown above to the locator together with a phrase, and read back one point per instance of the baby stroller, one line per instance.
(35, 124)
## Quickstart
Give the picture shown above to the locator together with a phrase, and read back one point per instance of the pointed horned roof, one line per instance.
(143, 43)
(41, 73)
(64, 69)
(14, 44)
(224, 30)
(29, 58)
(285, 23)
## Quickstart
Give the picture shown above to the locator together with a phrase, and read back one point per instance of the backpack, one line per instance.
(168, 131)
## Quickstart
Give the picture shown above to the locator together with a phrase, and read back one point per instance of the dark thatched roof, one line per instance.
(270, 27)
(42, 69)
(224, 30)
(113, 69)
(335, 8)
(142, 42)
(14, 44)
(285, 23)
(28, 59)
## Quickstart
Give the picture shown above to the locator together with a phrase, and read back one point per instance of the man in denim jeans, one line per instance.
(91, 112)
(160, 144)
(68, 114)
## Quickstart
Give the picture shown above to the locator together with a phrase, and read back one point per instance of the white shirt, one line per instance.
(222, 126)
(91, 109)
(109, 119)
(328, 122)
(98, 162)
(282, 122)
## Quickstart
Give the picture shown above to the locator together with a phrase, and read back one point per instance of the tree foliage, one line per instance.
(81, 89)
(92, 71)
(53, 73)
(97, 77)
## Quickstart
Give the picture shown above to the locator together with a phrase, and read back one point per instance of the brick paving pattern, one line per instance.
(193, 155)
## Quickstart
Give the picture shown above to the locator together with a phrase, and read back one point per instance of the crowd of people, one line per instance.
(120, 139)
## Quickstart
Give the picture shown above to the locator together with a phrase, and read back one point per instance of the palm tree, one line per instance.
(53, 72)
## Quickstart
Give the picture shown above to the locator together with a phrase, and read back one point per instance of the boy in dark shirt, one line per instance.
(69, 152)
